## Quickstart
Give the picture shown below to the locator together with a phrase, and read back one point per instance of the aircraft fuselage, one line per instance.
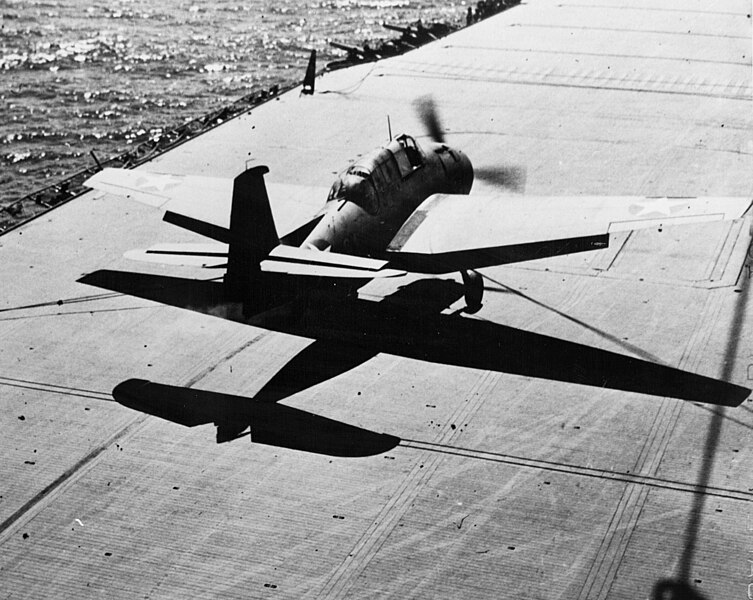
(369, 201)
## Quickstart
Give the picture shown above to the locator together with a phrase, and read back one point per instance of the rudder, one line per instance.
(253, 235)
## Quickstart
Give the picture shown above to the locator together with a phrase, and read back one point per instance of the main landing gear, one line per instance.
(474, 290)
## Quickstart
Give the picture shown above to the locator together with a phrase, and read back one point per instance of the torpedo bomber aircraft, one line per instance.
(403, 208)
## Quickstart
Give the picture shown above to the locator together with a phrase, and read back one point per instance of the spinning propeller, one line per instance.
(512, 177)
(427, 111)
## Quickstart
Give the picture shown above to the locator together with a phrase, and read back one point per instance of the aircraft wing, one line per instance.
(157, 189)
(207, 200)
(452, 232)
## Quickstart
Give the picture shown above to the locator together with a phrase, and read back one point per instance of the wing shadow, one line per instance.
(399, 328)
(408, 323)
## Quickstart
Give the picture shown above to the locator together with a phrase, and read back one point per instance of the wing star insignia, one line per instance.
(158, 183)
(660, 207)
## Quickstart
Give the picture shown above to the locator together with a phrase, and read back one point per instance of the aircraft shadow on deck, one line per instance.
(670, 589)
(268, 423)
(408, 323)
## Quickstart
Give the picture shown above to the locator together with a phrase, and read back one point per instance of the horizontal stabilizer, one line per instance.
(189, 255)
(312, 256)
(291, 260)
(450, 232)
(291, 268)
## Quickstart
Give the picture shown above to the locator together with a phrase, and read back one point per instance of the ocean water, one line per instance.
(99, 75)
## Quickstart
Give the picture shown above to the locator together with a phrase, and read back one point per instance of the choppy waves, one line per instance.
(80, 76)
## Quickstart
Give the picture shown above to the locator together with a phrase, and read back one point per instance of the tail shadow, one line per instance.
(270, 423)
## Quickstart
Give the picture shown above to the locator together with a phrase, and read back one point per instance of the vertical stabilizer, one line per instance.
(252, 236)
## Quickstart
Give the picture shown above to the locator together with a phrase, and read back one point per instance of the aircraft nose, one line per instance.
(464, 175)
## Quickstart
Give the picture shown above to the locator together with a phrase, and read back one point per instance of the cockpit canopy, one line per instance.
(410, 151)
(378, 173)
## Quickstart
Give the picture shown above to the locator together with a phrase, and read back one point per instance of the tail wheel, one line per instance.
(474, 290)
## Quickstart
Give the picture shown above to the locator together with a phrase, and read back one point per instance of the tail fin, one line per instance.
(252, 236)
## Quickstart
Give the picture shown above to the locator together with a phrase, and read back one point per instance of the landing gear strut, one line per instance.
(474, 290)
